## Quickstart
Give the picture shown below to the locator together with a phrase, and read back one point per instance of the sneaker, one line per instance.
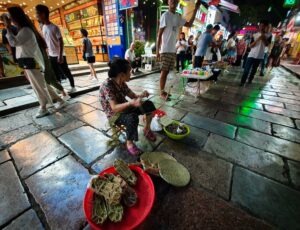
(66, 98)
(61, 105)
(42, 113)
(72, 90)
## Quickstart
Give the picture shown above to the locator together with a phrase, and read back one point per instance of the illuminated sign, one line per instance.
(290, 3)
(126, 4)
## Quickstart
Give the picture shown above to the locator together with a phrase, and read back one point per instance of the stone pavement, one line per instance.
(243, 154)
(23, 97)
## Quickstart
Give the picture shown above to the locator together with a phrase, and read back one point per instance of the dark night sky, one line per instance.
(254, 10)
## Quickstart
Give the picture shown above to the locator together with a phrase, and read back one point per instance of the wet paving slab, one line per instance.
(4, 156)
(59, 190)
(194, 209)
(244, 121)
(78, 109)
(294, 171)
(206, 171)
(270, 117)
(271, 144)
(13, 122)
(17, 134)
(267, 164)
(211, 125)
(87, 143)
(286, 133)
(268, 199)
(293, 107)
(55, 120)
(285, 112)
(96, 119)
(13, 197)
(27, 221)
(67, 128)
(36, 152)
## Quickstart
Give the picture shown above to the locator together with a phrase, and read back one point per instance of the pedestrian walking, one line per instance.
(181, 47)
(275, 54)
(170, 22)
(190, 49)
(55, 46)
(29, 45)
(119, 111)
(240, 50)
(249, 40)
(88, 53)
(205, 41)
(231, 48)
(261, 40)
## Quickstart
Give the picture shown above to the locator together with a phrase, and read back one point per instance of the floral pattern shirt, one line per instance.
(111, 91)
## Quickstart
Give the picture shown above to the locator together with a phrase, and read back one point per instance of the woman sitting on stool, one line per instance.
(119, 111)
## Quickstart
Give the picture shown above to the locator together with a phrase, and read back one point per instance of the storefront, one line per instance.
(81, 14)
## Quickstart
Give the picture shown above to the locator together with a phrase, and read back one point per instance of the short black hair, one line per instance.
(84, 32)
(216, 27)
(118, 65)
(43, 9)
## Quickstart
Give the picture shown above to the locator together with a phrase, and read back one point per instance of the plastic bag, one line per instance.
(155, 126)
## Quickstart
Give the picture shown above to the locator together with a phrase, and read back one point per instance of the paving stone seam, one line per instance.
(46, 166)
(28, 135)
(15, 217)
(266, 120)
(34, 204)
(285, 170)
(264, 149)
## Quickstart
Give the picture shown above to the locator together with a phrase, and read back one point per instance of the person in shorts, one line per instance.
(170, 23)
(88, 53)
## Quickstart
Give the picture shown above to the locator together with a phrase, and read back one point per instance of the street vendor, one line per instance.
(119, 111)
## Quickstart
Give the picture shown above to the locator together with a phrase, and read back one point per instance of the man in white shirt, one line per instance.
(55, 44)
(170, 23)
(256, 55)
(134, 61)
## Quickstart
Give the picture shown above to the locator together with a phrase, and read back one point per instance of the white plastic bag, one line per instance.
(155, 126)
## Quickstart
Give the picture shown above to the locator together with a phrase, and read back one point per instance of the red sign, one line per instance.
(214, 2)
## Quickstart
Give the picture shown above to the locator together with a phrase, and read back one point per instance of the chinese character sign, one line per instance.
(126, 4)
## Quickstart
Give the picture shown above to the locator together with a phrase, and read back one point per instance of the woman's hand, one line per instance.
(144, 94)
(136, 102)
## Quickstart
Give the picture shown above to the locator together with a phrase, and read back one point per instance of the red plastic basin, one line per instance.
(133, 216)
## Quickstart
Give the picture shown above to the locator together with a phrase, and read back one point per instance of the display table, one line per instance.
(197, 88)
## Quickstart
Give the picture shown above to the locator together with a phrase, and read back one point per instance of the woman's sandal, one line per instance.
(150, 135)
(134, 151)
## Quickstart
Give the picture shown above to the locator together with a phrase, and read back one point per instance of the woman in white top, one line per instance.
(181, 46)
(29, 43)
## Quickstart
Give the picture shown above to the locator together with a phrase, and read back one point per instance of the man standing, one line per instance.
(204, 42)
(55, 45)
(133, 60)
(256, 55)
(170, 23)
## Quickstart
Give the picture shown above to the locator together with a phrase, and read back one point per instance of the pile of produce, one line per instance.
(112, 193)
(166, 166)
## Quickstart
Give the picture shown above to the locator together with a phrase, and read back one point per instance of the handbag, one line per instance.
(91, 59)
(27, 63)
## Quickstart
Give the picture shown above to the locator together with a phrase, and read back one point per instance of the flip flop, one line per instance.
(134, 151)
(150, 135)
